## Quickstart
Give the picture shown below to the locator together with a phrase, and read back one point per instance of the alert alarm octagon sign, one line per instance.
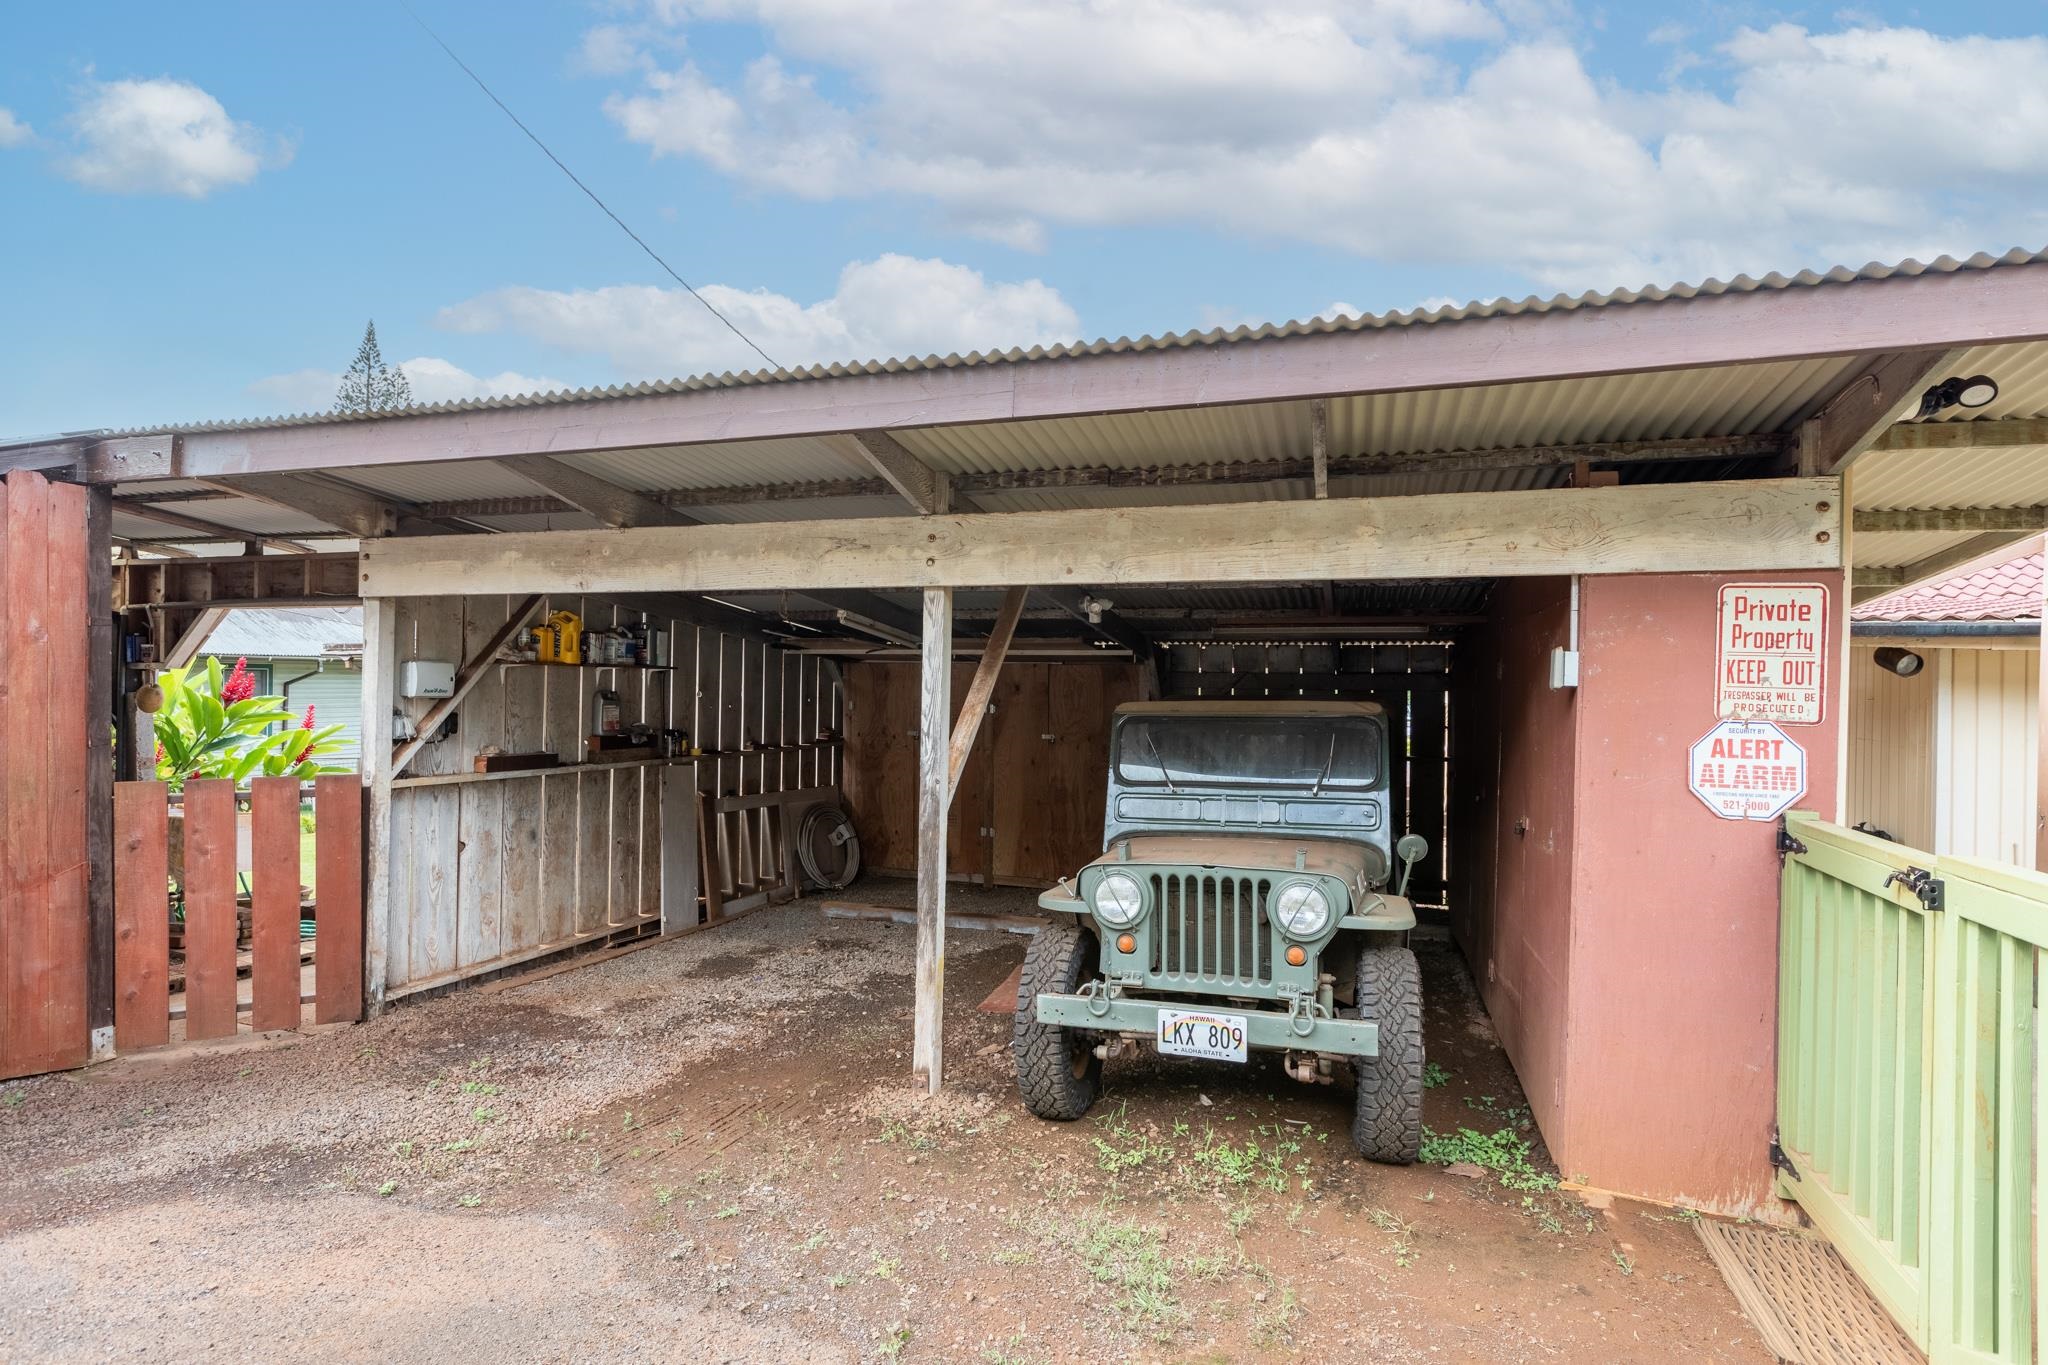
(1747, 770)
(1770, 655)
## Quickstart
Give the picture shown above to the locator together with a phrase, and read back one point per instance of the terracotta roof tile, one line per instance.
(2006, 589)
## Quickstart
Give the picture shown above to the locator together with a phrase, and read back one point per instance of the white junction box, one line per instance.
(426, 678)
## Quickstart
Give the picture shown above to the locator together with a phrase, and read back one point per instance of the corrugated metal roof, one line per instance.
(1741, 284)
(287, 633)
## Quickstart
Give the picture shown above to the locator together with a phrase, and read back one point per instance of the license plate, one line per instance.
(1202, 1033)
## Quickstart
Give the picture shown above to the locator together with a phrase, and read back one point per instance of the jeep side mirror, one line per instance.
(1410, 849)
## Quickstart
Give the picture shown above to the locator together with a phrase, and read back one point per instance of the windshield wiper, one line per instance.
(1329, 761)
(1153, 745)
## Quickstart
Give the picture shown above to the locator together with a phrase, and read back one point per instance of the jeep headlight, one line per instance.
(1302, 910)
(1118, 900)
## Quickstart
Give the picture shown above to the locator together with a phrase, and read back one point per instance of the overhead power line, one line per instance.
(577, 181)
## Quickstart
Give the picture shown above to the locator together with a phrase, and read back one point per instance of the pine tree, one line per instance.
(370, 385)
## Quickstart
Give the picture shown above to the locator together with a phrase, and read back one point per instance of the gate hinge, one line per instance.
(1931, 890)
(1779, 1159)
(1786, 843)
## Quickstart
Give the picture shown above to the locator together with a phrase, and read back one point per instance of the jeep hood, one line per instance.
(1356, 865)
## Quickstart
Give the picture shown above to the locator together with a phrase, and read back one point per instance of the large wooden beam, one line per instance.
(1986, 434)
(471, 673)
(1867, 406)
(935, 696)
(380, 699)
(1206, 474)
(608, 502)
(360, 514)
(983, 686)
(1935, 309)
(1951, 519)
(1671, 528)
(923, 487)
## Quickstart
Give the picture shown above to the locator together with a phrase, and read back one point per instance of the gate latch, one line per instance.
(1922, 883)
(1786, 843)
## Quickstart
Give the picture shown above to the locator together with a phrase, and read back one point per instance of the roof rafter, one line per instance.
(1877, 581)
(1866, 406)
(1951, 519)
(207, 528)
(923, 487)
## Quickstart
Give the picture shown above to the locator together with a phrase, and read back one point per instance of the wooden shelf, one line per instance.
(622, 668)
(461, 779)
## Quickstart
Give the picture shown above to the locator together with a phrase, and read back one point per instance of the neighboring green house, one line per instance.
(311, 656)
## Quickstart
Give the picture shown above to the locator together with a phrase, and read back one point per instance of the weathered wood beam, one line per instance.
(54, 459)
(471, 673)
(1866, 406)
(1669, 528)
(923, 487)
(1993, 433)
(975, 705)
(380, 697)
(362, 514)
(211, 529)
(1866, 583)
(1319, 445)
(935, 696)
(1937, 309)
(192, 638)
(156, 547)
(601, 498)
(1951, 519)
(1766, 445)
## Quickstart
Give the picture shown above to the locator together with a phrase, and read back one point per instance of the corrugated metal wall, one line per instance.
(336, 695)
(1985, 723)
(1891, 749)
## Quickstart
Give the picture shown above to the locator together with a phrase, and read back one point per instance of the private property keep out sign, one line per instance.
(1747, 770)
(1771, 651)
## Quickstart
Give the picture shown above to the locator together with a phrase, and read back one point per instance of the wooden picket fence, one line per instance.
(143, 913)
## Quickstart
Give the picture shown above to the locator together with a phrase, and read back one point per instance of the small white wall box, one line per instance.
(426, 678)
(1564, 667)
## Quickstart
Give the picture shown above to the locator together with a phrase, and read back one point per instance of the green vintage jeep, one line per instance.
(1246, 902)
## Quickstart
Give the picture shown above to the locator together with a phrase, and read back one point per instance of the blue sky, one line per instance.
(200, 205)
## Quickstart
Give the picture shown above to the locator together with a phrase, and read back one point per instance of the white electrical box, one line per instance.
(426, 678)
(1564, 667)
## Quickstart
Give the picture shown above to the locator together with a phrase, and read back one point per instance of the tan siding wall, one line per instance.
(1985, 727)
(1891, 748)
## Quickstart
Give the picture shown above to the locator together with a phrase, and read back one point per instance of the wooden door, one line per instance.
(43, 721)
(880, 783)
(1051, 726)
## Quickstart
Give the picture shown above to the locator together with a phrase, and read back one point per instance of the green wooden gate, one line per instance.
(1909, 1095)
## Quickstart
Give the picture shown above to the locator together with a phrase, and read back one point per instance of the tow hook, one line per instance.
(1301, 1019)
(1096, 997)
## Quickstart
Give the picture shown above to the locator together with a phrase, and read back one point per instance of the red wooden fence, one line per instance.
(213, 964)
(43, 705)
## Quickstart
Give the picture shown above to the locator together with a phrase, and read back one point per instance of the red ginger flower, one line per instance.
(240, 685)
(307, 723)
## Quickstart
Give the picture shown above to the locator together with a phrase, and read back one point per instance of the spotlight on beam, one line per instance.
(1903, 662)
(1974, 392)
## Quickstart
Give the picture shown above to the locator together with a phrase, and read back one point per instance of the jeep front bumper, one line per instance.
(1267, 1030)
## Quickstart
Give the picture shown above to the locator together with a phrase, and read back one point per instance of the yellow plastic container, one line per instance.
(561, 638)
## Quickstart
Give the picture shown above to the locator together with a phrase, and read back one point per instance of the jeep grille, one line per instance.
(1212, 929)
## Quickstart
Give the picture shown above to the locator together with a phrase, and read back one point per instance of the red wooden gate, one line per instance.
(43, 708)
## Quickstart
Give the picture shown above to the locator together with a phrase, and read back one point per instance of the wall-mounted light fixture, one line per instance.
(1903, 662)
(1974, 392)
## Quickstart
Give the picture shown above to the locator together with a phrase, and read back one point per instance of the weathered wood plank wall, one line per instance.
(490, 871)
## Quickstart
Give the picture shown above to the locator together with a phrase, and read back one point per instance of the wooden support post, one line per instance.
(1319, 445)
(2040, 756)
(975, 706)
(935, 696)
(102, 707)
(380, 687)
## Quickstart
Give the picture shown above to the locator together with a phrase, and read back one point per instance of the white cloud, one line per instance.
(1357, 125)
(891, 306)
(433, 380)
(13, 132)
(163, 136)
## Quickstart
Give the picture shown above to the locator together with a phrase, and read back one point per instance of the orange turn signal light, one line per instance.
(1296, 955)
(1126, 943)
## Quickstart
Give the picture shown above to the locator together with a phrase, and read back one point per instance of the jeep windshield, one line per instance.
(1337, 753)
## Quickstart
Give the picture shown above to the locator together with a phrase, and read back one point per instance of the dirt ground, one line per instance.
(708, 1149)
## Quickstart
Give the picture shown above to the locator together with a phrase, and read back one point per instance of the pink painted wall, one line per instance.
(1624, 937)
(1669, 1076)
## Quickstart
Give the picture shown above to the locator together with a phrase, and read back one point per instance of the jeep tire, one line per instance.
(1386, 1124)
(1057, 1069)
